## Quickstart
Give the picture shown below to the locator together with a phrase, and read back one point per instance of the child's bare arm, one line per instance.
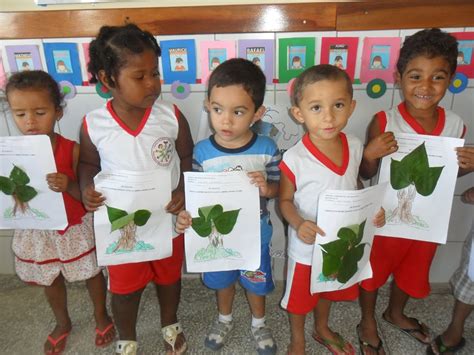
(267, 189)
(184, 147)
(88, 167)
(465, 160)
(60, 182)
(378, 145)
(183, 221)
(306, 230)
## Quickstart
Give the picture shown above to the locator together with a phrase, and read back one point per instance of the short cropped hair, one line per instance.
(36, 80)
(238, 71)
(315, 74)
(430, 42)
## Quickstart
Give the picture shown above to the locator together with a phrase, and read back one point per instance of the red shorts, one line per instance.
(408, 260)
(128, 278)
(298, 298)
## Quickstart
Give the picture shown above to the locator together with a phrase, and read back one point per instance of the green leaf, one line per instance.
(346, 234)
(25, 193)
(337, 247)
(425, 182)
(360, 233)
(202, 227)
(349, 263)
(399, 175)
(122, 222)
(210, 212)
(7, 186)
(226, 221)
(141, 217)
(417, 160)
(331, 264)
(19, 177)
(115, 213)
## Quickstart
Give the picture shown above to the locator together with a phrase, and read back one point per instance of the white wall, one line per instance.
(447, 257)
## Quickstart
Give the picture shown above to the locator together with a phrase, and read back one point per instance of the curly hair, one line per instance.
(238, 71)
(36, 80)
(111, 47)
(315, 74)
(430, 42)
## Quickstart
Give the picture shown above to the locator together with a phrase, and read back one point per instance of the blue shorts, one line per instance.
(259, 282)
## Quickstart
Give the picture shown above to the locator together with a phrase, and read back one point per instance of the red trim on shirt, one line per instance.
(417, 127)
(84, 124)
(288, 173)
(464, 130)
(339, 170)
(49, 261)
(117, 119)
(177, 112)
(381, 117)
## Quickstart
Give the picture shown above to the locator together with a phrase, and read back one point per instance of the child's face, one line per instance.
(232, 112)
(424, 83)
(33, 111)
(138, 82)
(324, 108)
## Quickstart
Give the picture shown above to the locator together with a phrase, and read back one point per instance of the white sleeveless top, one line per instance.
(399, 120)
(311, 173)
(150, 146)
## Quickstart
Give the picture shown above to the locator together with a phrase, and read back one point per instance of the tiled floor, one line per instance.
(25, 320)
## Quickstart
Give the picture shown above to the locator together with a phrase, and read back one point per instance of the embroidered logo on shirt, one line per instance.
(162, 151)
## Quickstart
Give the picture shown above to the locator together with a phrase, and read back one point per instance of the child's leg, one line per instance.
(322, 332)
(225, 299)
(57, 298)
(297, 340)
(453, 334)
(368, 325)
(125, 311)
(257, 304)
(98, 294)
(394, 314)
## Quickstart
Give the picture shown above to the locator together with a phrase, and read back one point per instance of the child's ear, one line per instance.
(59, 113)
(296, 112)
(398, 78)
(259, 114)
(102, 76)
(353, 106)
(207, 105)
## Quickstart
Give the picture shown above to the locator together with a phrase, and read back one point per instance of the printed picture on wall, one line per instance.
(257, 56)
(338, 55)
(23, 57)
(62, 59)
(178, 59)
(24, 61)
(296, 57)
(465, 52)
(216, 57)
(379, 57)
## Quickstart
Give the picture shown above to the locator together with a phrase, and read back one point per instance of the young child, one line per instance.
(121, 135)
(325, 158)
(234, 100)
(425, 68)
(45, 257)
(452, 340)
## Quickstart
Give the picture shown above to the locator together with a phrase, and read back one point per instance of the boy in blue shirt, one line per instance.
(234, 100)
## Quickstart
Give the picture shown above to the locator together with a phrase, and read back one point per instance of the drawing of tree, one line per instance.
(127, 224)
(213, 223)
(16, 186)
(408, 176)
(340, 257)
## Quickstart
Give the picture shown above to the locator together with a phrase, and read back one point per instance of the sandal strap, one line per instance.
(170, 333)
(126, 347)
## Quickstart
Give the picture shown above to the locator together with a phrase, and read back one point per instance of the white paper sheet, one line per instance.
(33, 155)
(353, 210)
(239, 249)
(414, 216)
(132, 191)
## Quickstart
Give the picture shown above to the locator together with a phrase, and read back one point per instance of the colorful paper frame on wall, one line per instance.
(379, 58)
(465, 53)
(23, 57)
(212, 54)
(341, 52)
(294, 56)
(63, 63)
(3, 75)
(179, 61)
(85, 49)
(260, 52)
